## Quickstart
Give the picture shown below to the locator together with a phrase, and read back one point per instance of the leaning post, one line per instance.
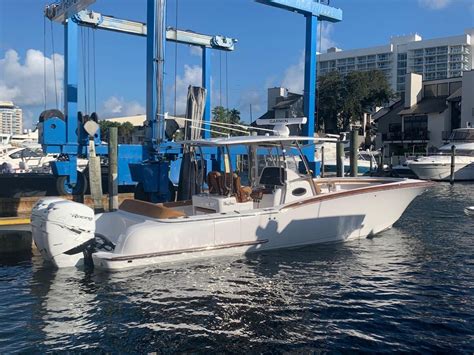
(113, 169)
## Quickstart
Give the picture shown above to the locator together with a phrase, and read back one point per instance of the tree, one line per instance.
(344, 99)
(125, 130)
(226, 116)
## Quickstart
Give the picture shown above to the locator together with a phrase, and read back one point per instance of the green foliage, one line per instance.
(223, 115)
(344, 99)
(125, 130)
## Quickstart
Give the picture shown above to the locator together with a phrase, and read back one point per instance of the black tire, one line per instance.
(64, 188)
(51, 113)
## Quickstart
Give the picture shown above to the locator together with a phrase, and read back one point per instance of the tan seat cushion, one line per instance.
(149, 209)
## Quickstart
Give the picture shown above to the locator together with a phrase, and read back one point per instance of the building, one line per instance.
(425, 116)
(439, 58)
(138, 134)
(282, 104)
(11, 118)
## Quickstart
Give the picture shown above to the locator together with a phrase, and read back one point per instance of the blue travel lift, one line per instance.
(152, 166)
(65, 134)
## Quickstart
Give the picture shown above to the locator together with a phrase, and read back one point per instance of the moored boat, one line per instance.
(438, 166)
(280, 207)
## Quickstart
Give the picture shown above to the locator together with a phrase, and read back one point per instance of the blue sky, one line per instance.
(269, 51)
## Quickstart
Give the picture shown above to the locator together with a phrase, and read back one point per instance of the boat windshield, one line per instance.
(462, 135)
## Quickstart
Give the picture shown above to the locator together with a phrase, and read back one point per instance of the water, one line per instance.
(410, 288)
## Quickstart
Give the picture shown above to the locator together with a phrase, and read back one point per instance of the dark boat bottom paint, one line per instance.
(406, 289)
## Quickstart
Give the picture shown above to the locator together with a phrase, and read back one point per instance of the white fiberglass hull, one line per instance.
(440, 169)
(329, 217)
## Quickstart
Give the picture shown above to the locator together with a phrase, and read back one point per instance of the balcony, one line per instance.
(392, 136)
(416, 135)
(410, 135)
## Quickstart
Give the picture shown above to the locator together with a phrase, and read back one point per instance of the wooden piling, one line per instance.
(371, 163)
(380, 167)
(453, 164)
(322, 161)
(113, 169)
(95, 178)
(354, 151)
(340, 158)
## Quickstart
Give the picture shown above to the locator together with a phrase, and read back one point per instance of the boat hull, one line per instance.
(442, 171)
(332, 217)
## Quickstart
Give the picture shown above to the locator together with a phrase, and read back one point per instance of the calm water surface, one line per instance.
(410, 288)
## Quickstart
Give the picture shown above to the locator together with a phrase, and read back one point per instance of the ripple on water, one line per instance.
(409, 288)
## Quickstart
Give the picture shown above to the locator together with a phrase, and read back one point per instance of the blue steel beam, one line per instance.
(313, 11)
(307, 7)
(70, 93)
(150, 75)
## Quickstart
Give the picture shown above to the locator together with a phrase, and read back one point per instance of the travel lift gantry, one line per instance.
(312, 10)
(65, 134)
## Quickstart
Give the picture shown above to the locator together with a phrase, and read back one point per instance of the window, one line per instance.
(430, 90)
(416, 127)
(454, 86)
(443, 89)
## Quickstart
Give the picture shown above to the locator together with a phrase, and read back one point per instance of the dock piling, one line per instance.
(95, 178)
(322, 162)
(453, 164)
(113, 169)
(354, 151)
(340, 158)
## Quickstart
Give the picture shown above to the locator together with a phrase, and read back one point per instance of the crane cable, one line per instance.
(44, 61)
(226, 81)
(176, 60)
(94, 74)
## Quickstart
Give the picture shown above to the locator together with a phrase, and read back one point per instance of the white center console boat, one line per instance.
(279, 207)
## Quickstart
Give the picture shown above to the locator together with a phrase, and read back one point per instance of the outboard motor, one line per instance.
(62, 230)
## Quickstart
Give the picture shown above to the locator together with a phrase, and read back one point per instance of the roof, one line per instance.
(427, 105)
(137, 120)
(385, 110)
(455, 96)
(259, 140)
(287, 102)
(392, 111)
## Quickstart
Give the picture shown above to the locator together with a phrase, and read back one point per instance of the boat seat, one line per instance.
(149, 209)
(222, 183)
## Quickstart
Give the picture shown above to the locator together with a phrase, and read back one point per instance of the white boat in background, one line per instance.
(438, 166)
(281, 208)
(469, 211)
(31, 159)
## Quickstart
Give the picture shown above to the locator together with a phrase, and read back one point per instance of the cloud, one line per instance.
(23, 82)
(195, 50)
(293, 78)
(325, 42)
(434, 4)
(256, 98)
(117, 107)
(192, 76)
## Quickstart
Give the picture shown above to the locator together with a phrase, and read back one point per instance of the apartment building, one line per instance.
(434, 59)
(11, 118)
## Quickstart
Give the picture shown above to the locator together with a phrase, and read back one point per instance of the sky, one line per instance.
(269, 51)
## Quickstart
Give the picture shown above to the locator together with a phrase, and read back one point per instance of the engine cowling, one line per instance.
(62, 230)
